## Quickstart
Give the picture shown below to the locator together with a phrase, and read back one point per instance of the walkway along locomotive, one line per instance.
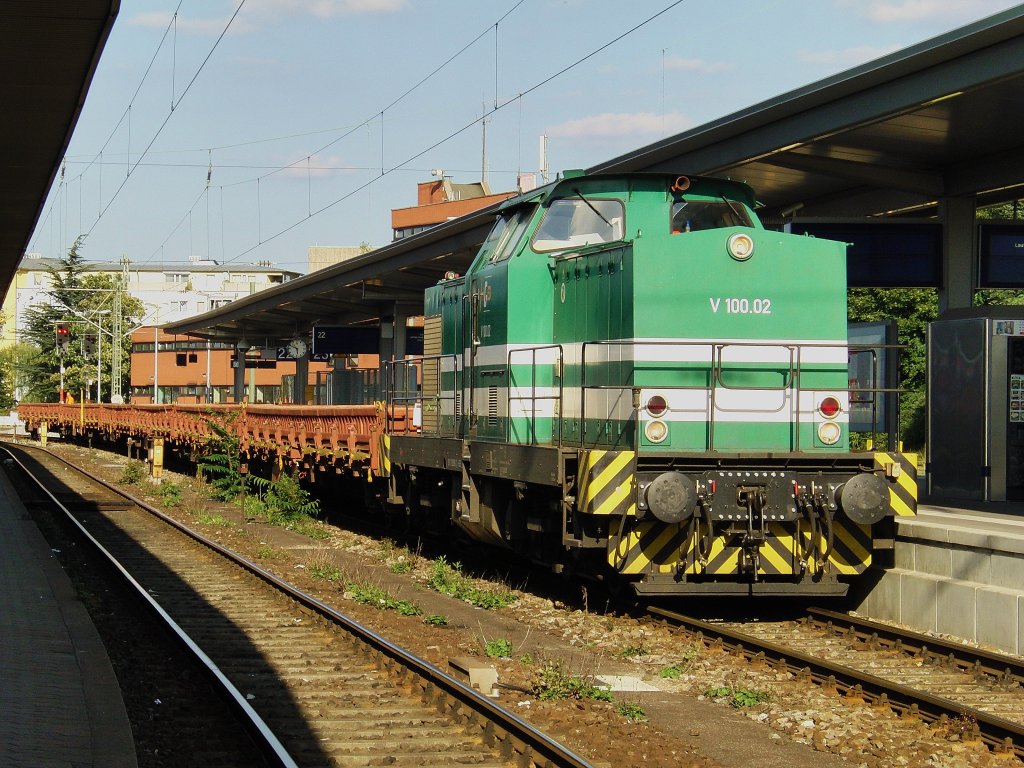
(636, 378)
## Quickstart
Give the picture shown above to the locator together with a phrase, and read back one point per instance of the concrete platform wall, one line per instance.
(958, 573)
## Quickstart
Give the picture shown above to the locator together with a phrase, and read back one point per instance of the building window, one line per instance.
(218, 303)
(176, 277)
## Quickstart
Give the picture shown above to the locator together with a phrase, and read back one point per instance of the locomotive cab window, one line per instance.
(507, 233)
(574, 222)
(692, 215)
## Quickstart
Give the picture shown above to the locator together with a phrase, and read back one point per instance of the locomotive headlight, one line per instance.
(656, 431)
(740, 246)
(829, 432)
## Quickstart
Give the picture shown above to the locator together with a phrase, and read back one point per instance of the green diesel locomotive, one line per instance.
(635, 379)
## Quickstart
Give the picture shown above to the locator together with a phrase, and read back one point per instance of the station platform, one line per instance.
(959, 570)
(61, 703)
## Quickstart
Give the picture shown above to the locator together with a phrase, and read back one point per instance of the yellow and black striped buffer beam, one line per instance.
(385, 455)
(902, 487)
(607, 484)
(636, 546)
(782, 552)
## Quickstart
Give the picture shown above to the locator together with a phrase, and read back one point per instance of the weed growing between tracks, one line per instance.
(448, 579)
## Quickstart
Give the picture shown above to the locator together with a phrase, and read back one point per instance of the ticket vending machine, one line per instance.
(976, 404)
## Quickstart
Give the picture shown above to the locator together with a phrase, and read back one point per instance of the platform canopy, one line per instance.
(48, 54)
(940, 120)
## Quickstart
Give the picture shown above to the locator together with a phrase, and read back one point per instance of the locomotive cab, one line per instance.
(636, 377)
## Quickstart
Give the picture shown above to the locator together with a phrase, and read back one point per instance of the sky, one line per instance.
(245, 131)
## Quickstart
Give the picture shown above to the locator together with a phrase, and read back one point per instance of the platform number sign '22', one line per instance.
(737, 306)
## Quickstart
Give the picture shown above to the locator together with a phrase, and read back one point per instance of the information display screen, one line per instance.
(1001, 255)
(884, 254)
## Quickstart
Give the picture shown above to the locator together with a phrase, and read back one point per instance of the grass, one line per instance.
(170, 493)
(207, 518)
(674, 671)
(320, 565)
(401, 566)
(132, 473)
(498, 649)
(634, 713)
(448, 579)
(268, 553)
(436, 620)
(738, 697)
(552, 682)
(378, 597)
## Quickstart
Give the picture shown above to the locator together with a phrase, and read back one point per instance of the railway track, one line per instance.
(940, 681)
(314, 687)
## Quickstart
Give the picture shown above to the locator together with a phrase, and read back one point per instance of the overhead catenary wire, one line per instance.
(461, 130)
(170, 114)
(124, 115)
(379, 115)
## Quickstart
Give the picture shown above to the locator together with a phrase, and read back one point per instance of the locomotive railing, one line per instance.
(789, 367)
(427, 408)
(532, 399)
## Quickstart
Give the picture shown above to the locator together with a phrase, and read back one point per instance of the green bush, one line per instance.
(287, 501)
(738, 697)
(448, 579)
(170, 493)
(132, 472)
(500, 649)
(378, 597)
(632, 712)
(551, 681)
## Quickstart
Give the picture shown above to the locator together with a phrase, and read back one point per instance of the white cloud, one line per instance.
(847, 57)
(268, 9)
(319, 166)
(615, 124)
(160, 20)
(325, 9)
(887, 11)
(698, 65)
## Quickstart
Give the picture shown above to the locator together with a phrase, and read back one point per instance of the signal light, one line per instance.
(63, 337)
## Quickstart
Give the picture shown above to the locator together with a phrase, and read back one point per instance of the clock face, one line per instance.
(297, 348)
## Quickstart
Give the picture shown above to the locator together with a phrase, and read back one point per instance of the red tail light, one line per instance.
(656, 406)
(829, 407)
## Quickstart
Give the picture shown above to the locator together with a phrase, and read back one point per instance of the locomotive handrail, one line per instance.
(793, 382)
(556, 421)
(393, 396)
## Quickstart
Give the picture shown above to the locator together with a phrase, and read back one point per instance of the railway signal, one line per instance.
(63, 337)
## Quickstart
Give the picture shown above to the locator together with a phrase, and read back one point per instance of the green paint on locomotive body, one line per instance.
(564, 334)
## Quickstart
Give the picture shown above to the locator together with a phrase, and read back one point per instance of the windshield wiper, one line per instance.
(732, 208)
(591, 207)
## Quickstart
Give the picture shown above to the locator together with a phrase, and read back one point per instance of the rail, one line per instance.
(998, 732)
(273, 751)
(519, 742)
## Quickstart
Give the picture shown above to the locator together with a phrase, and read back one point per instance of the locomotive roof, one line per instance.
(574, 178)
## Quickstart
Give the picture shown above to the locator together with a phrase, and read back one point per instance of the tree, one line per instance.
(16, 364)
(84, 301)
(912, 309)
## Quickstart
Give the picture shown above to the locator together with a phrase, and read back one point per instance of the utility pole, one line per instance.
(120, 283)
